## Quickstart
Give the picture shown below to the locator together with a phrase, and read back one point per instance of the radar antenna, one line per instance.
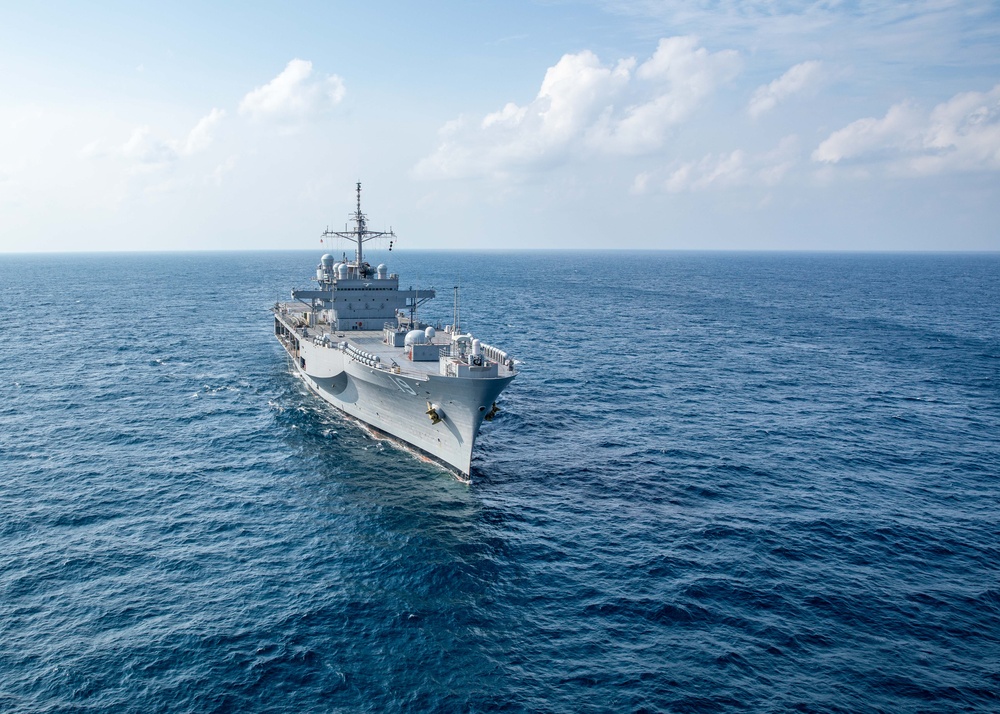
(360, 234)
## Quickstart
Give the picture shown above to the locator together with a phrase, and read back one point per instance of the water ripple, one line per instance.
(721, 483)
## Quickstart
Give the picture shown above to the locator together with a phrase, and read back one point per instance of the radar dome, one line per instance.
(415, 337)
(327, 260)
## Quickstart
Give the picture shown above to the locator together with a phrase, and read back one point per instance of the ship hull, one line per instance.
(397, 404)
(356, 342)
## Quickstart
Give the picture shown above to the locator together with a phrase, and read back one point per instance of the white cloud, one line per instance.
(149, 152)
(200, 138)
(573, 92)
(725, 170)
(712, 171)
(795, 80)
(897, 131)
(925, 33)
(678, 78)
(584, 106)
(144, 148)
(293, 94)
(962, 134)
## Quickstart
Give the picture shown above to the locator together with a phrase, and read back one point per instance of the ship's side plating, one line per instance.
(398, 403)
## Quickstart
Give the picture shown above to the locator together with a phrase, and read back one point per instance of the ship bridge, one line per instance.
(354, 296)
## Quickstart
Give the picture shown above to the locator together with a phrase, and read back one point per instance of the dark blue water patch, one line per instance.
(720, 483)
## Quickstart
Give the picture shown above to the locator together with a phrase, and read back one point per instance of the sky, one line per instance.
(509, 124)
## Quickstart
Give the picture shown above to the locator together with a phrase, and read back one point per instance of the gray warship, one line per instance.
(356, 341)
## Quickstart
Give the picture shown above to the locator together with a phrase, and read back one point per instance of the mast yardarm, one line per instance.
(360, 234)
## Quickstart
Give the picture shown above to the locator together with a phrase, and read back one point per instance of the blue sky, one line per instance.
(549, 124)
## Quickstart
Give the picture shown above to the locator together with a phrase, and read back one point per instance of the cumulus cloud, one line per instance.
(584, 106)
(294, 94)
(725, 170)
(962, 134)
(674, 81)
(795, 80)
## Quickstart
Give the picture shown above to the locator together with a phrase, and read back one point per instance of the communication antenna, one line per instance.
(360, 235)
(455, 317)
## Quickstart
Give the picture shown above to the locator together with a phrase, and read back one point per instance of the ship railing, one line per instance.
(490, 354)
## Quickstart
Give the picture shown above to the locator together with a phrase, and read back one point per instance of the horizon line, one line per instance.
(845, 251)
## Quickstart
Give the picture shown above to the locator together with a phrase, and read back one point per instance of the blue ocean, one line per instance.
(721, 483)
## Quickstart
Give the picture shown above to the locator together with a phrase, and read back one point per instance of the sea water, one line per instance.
(721, 482)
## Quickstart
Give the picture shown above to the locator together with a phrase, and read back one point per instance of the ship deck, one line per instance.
(369, 341)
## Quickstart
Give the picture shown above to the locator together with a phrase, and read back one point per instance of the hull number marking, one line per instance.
(402, 385)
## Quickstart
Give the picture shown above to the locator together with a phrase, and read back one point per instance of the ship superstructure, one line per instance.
(357, 342)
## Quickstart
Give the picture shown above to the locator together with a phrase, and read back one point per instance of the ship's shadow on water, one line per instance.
(719, 483)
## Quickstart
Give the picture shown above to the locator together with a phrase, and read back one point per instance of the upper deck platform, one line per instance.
(295, 318)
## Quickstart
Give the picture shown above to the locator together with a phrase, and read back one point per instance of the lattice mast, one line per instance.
(360, 234)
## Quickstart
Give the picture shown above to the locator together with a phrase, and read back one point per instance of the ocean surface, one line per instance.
(721, 483)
